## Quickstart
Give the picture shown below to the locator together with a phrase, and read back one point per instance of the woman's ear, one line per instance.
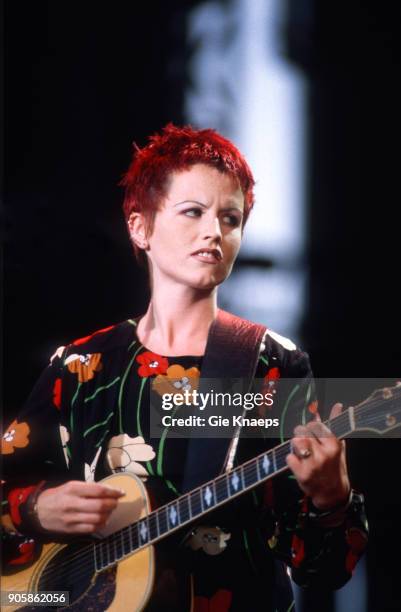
(137, 230)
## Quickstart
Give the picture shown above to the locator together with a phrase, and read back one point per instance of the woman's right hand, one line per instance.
(76, 507)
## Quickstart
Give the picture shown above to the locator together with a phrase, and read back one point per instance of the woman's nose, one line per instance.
(212, 228)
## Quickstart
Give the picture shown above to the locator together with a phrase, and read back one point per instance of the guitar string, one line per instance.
(252, 472)
(279, 452)
(249, 471)
(198, 510)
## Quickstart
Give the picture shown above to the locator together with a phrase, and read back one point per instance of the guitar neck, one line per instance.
(193, 505)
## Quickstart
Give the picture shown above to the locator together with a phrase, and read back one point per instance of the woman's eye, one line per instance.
(232, 220)
(193, 212)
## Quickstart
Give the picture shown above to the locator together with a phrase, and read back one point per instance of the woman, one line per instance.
(188, 196)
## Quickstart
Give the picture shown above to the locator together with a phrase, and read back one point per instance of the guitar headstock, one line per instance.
(381, 411)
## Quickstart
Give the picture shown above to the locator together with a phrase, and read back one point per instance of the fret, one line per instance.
(241, 471)
(114, 548)
(250, 475)
(97, 551)
(214, 491)
(228, 485)
(162, 520)
(134, 537)
(221, 493)
(126, 539)
(111, 552)
(109, 556)
(258, 470)
(274, 458)
(184, 509)
(196, 503)
(119, 545)
(153, 526)
(207, 497)
(351, 415)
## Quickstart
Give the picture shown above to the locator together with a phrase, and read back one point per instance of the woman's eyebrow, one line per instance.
(192, 202)
(206, 206)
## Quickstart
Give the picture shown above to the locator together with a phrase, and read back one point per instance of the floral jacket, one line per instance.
(88, 417)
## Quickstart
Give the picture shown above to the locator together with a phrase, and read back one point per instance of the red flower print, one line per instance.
(272, 374)
(86, 338)
(268, 387)
(57, 393)
(298, 550)
(313, 407)
(151, 364)
(26, 549)
(16, 497)
(220, 602)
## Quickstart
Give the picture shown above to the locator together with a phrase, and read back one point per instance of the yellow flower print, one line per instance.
(124, 453)
(84, 365)
(177, 380)
(16, 436)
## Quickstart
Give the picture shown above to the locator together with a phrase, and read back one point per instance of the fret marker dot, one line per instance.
(173, 515)
(235, 481)
(143, 531)
(266, 464)
(208, 496)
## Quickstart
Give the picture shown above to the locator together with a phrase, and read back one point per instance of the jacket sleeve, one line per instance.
(33, 448)
(321, 548)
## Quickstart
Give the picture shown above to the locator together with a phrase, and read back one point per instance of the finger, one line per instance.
(83, 528)
(302, 431)
(336, 410)
(93, 489)
(300, 445)
(88, 519)
(90, 505)
(320, 431)
(294, 463)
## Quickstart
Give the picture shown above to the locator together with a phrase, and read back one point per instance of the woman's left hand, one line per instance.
(319, 464)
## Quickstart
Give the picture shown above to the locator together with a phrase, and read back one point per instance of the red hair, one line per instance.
(175, 149)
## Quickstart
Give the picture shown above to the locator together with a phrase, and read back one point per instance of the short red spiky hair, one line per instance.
(172, 150)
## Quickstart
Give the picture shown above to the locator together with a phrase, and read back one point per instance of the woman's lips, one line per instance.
(206, 258)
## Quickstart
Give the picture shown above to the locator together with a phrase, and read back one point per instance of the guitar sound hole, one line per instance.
(71, 569)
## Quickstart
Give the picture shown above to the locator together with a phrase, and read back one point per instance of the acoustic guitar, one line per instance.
(117, 570)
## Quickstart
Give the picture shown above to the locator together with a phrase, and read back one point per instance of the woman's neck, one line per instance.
(178, 324)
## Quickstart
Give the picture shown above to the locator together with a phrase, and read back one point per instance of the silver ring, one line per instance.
(305, 453)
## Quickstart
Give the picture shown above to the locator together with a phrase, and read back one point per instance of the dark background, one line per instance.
(83, 80)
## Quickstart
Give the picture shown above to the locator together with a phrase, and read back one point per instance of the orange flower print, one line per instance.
(177, 380)
(84, 365)
(151, 364)
(16, 436)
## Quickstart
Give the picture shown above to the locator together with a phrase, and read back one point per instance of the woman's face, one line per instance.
(197, 231)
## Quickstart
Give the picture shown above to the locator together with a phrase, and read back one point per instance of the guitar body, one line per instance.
(133, 584)
(142, 577)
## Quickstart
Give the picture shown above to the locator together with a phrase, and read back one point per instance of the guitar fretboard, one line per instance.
(191, 506)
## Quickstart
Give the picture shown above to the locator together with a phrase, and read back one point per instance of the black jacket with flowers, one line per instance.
(88, 416)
